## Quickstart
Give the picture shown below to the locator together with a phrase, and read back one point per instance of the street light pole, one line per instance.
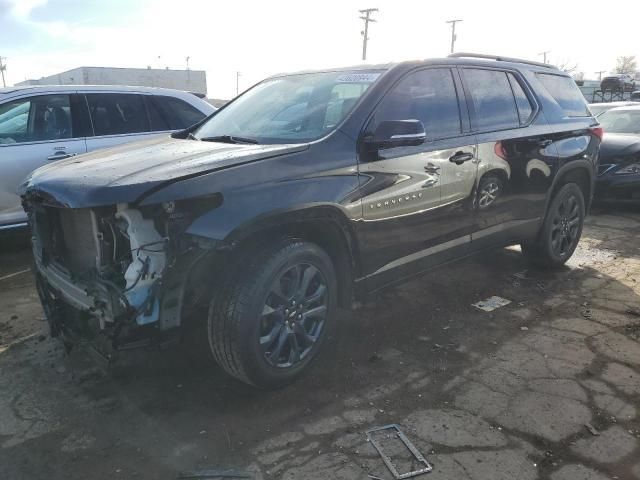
(365, 33)
(453, 32)
(544, 55)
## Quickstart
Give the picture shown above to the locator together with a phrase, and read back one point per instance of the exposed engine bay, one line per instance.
(125, 269)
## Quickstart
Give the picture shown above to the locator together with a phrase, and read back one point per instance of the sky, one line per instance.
(259, 38)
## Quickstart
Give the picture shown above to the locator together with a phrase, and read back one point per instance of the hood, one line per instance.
(617, 145)
(122, 174)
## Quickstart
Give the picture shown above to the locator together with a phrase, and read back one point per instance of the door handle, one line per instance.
(460, 157)
(432, 169)
(60, 156)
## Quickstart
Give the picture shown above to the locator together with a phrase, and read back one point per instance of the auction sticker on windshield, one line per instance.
(358, 78)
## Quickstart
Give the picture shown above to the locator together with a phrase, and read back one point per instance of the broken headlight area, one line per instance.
(125, 267)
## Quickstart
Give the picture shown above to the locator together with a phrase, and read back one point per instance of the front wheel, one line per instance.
(268, 322)
(489, 189)
(561, 230)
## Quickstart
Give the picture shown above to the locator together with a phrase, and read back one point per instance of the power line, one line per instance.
(3, 67)
(453, 32)
(365, 33)
(544, 55)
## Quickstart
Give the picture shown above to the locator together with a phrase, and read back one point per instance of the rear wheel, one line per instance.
(561, 230)
(268, 322)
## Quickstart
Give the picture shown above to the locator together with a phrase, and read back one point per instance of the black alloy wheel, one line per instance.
(272, 310)
(561, 229)
(565, 226)
(294, 315)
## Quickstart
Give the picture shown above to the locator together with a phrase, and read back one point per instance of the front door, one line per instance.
(417, 200)
(34, 131)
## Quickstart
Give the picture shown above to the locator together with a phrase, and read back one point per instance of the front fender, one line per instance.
(241, 210)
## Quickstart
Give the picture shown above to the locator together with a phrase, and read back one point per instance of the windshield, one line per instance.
(290, 109)
(620, 121)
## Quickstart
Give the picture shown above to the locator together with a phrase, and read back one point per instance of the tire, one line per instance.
(264, 326)
(561, 230)
(489, 190)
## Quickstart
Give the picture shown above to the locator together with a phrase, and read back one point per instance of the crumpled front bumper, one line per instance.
(100, 301)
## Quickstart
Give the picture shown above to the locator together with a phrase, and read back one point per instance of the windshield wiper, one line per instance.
(228, 139)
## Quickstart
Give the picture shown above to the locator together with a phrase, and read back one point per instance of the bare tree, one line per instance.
(567, 66)
(626, 64)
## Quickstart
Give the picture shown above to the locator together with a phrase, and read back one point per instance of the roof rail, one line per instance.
(500, 59)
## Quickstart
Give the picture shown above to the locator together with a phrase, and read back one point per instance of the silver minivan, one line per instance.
(42, 124)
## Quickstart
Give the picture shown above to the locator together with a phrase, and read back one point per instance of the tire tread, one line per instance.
(233, 301)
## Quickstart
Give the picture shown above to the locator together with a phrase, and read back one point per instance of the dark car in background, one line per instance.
(621, 82)
(306, 192)
(619, 170)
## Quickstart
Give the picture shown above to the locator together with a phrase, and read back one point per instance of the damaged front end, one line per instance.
(123, 270)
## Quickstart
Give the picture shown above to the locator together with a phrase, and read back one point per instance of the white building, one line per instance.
(188, 80)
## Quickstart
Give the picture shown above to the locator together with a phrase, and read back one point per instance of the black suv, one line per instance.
(305, 192)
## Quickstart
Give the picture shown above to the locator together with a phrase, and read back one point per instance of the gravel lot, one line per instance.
(547, 387)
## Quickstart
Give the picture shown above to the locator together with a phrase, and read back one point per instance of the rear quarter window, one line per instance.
(177, 114)
(566, 94)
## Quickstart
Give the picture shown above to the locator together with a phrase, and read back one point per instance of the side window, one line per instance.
(429, 96)
(117, 113)
(40, 118)
(522, 101)
(492, 98)
(177, 113)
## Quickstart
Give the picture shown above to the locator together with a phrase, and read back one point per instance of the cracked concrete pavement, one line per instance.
(547, 387)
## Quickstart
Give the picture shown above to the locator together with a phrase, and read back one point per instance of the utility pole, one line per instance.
(238, 83)
(188, 62)
(600, 72)
(544, 55)
(365, 33)
(3, 67)
(453, 32)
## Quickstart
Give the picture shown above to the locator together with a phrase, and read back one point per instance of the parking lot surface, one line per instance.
(546, 387)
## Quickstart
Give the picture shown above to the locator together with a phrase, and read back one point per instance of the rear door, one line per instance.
(415, 199)
(117, 118)
(34, 131)
(515, 154)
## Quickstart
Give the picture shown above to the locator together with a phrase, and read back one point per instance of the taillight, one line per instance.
(598, 132)
(498, 149)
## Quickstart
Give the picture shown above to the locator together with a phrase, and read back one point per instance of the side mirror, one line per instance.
(397, 133)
